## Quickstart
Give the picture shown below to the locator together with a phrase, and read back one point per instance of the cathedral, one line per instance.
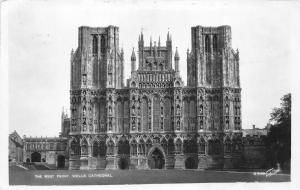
(154, 121)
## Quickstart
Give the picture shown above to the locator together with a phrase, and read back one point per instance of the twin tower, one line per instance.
(154, 121)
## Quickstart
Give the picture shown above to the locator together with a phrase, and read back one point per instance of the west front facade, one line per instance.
(154, 121)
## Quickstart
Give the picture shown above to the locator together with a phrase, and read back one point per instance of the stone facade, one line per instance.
(15, 147)
(155, 121)
(52, 151)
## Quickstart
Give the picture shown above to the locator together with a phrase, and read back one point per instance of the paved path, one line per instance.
(106, 177)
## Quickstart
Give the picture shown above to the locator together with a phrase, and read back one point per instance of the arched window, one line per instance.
(145, 114)
(102, 44)
(215, 42)
(207, 44)
(95, 45)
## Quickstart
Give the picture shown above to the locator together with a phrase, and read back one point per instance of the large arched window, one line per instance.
(156, 113)
(102, 44)
(145, 113)
(215, 43)
(207, 44)
(95, 45)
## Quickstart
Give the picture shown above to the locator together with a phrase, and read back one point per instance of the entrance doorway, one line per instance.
(156, 160)
(60, 161)
(123, 164)
(35, 157)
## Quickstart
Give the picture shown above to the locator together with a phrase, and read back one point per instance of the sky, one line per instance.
(38, 36)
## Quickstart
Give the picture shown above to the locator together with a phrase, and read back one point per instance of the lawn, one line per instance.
(106, 177)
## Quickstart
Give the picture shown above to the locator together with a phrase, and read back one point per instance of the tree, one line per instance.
(279, 136)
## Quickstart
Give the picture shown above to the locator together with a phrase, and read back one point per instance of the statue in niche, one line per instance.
(178, 125)
(84, 111)
(133, 110)
(90, 111)
(109, 67)
(237, 148)
(201, 124)
(201, 109)
(139, 126)
(133, 124)
(178, 110)
(110, 126)
(84, 150)
(227, 124)
(109, 110)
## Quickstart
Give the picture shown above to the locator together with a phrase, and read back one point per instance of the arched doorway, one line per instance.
(190, 163)
(35, 157)
(60, 161)
(156, 160)
(123, 164)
